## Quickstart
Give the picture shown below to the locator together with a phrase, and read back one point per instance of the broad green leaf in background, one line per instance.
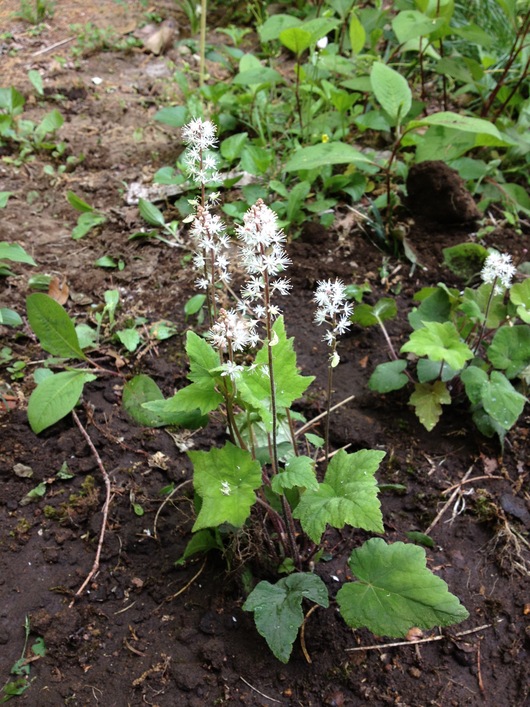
(86, 222)
(427, 400)
(510, 349)
(501, 401)
(316, 156)
(53, 327)
(369, 315)
(391, 90)
(55, 397)
(174, 116)
(78, 203)
(226, 480)
(298, 471)
(296, 39)
(15, 253)
(51, 122)
(395, 591)
(275, 25)
(130, 338)
(150, 213)
(11, 100)
(357, 34)
(520, 297)
(464, 123)
(232, 147)
(278, 609)
(36, 80)
(348, 495)
(411, 24)
(388, 376)
(439, 341)
(8, 317)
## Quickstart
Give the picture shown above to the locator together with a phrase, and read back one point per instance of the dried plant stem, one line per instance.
(166, 500)
(302, 634)
(105, 510)
(311, 423)
(449, 501)
(431, 639)
(258, 691)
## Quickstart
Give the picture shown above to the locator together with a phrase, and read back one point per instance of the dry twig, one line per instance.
(258, 691)
(302, 634)
(422, 640)
(105, 510)
(449, 501)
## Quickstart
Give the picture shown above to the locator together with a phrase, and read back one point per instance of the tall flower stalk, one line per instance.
(333, 310)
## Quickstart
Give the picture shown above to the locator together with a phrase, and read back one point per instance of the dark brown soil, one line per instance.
(146, 631)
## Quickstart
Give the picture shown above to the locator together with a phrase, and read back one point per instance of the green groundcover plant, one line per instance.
(472, 345)
(269, 495)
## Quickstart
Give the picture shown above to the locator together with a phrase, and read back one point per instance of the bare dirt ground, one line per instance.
(146, 631)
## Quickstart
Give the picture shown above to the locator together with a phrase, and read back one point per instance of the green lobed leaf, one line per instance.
(55, 397)
(254, 386)
(348, 495)
(388, 377)
(427, 400)
(130, 338)
(395, 591)
(510, 349)
(439, 341)
(225, 479)
(53, 327)
(299, 472)
(316, 156)
(278, 609)
(391, 90)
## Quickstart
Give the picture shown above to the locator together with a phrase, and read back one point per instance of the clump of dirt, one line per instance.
(436, 192)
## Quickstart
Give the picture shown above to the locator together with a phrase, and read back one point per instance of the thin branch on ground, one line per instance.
(424, 640)
(310, 424)
(258, 691)
(470, 481)
(105, 510)
(166, 500)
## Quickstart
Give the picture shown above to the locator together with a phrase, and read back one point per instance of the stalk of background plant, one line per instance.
(202, 43)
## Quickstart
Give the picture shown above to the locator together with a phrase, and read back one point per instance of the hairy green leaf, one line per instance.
(278, 609)
(348, 495)
(225, 479)
(520, 296)
(510, 349)
(388, 376)
(299, 471)
(395, 591)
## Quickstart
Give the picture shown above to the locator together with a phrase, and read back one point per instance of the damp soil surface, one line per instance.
(144, 630)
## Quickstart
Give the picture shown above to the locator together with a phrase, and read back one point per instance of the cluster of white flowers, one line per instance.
(233, 332)
(332, 308)
(498, 269)
(200, 137)
(263, 257)
(211, 258)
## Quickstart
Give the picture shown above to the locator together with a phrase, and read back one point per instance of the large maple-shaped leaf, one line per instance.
(395, 591)
(278, 609)
(439, 341)
(254, 386)
(348, 495)
(299, 471)
(225, 479)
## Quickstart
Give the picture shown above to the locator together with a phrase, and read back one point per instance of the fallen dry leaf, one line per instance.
(58, 291)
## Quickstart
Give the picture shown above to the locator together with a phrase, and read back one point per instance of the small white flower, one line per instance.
(322, 43)
(498, 269)
(232, 370)
(225, 488)
(332, 309)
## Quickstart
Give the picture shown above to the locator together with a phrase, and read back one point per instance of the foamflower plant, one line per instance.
(265, 499)
(472, 345)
